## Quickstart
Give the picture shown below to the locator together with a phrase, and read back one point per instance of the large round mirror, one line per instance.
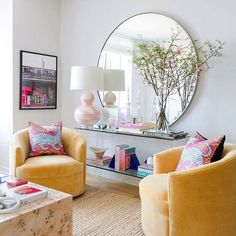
(133, 47)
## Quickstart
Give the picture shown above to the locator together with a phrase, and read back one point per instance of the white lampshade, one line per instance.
(114, 80)
(87, 78)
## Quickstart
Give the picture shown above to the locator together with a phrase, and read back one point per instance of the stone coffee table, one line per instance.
(48, 216)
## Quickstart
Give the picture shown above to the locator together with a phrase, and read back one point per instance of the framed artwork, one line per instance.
(38, 81)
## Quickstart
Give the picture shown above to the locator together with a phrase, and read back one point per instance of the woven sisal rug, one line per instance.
(106, 213)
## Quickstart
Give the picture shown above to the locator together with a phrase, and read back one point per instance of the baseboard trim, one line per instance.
(4, 169)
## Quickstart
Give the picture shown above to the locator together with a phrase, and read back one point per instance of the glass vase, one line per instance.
(162, 122)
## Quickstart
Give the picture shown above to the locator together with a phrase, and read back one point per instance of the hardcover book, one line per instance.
(145, 166)
(117, 155)
(99, 161)
(125, 157)
(27, 193)
(14, 182)
(143, 174)
(145, 170)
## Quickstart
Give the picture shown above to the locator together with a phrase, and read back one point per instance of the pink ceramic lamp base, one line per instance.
(86, 114)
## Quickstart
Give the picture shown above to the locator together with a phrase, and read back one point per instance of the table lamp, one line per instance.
(114, 80)
(87, 78)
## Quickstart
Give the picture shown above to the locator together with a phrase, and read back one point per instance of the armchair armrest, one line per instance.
(167, 161)
(18, 150)
(74, 144)
(198, 196)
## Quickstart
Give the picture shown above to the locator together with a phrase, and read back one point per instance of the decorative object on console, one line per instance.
(38, 81)
(149, 160)
(99, 158)
(104, 119)
(87, 78)
(114, 80)
(99, 152)
(199, 151)
(162, 72)
(45, 140)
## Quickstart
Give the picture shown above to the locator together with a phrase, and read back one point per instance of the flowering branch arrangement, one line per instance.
(173, 66)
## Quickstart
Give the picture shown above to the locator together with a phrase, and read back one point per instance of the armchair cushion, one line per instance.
(51, 166)
(45, 140)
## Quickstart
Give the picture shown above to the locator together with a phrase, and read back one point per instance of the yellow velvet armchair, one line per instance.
(65, 173)
(197, 202)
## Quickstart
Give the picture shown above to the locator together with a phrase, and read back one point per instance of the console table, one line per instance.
(146, 145)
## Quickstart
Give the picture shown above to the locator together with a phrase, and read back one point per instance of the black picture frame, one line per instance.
(38, 81)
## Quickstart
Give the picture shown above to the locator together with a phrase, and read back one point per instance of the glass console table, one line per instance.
(134, 133)
(146, 145)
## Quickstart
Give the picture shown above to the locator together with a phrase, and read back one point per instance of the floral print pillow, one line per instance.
(199, 151)
(45, 141)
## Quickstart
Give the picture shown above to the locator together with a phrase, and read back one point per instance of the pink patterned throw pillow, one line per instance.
(45, 141)
(199, 151)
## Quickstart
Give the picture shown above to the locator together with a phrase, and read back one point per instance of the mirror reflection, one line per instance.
(133, 47)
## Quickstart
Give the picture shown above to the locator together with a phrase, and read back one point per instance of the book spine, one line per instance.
(145, 170)
(129, 150)
(122, 157)
(117, 158)
(127, 161)
(143, 174)
(146, 167)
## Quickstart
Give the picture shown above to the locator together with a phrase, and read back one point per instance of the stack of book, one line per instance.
(136, 128)
(19, 189)
(171, 134)
(27, 193)
(123, 155)
(145, 170)
(99, 161)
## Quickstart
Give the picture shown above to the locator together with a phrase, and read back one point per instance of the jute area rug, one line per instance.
(106, 212)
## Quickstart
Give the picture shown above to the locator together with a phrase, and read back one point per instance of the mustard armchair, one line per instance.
(64, 173)
(197, 202)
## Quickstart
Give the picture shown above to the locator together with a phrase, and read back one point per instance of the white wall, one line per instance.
(85, 25)
(6, 116)
(34, 25)
(35, 28)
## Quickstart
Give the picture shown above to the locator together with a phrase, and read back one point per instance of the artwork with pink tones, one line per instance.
(38, 81)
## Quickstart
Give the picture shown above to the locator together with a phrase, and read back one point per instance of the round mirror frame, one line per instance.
(190, 38)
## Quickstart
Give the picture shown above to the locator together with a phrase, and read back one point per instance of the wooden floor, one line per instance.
(105, 183)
